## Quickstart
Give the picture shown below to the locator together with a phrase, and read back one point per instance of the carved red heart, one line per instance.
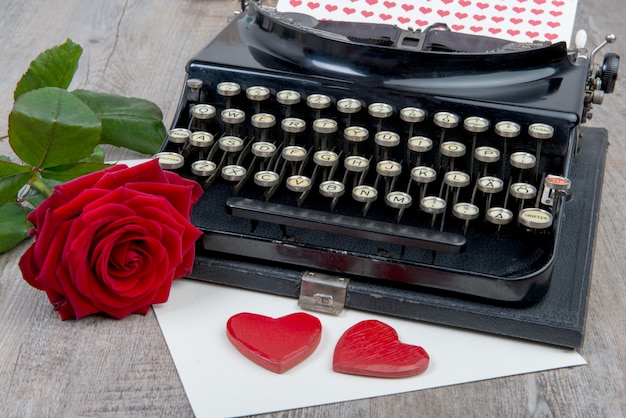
(372, 348)
(278, 344)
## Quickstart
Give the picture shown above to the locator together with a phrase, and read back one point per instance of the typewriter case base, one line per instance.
(556, 319)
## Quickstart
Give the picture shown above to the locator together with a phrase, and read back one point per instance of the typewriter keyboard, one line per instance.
(329, 180)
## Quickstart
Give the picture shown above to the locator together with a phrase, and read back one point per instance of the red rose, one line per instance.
(112, 241)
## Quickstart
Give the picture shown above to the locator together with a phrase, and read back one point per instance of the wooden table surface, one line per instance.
(105, 367)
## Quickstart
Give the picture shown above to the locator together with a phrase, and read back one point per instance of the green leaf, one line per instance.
(50, 126)
(12, 178)
(68, 172)
(127, 122)
(54, 67)
(13, 225)
(97, 156)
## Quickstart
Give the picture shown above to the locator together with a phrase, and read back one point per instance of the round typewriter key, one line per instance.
(507, 129)
(294, 153)
(535, 218)
(263, 120)
(325, 158)
(194, 83)
(356, 134)
(523, 160)
(540, 131)
(299, 183)
(420, 144)
(288, 97)
(364, 194)
(398, 200)
(499, 216)
(465, 211)
(412, 114)
(318, 101)
(203, 111)
(476, 124)
(356, 164)
(258, 93)
(523, 191)
(178, 135)
(489, 184)
(380, 110)
(456, 178)
(348, 106)
(487, 154)
(263, 149)
(324, 126)
(233, 116)
(228, 89)
(332, 188)
(433, 205)
(387, 139)
(203, 168)
(452, 149)
(446, 120)
(388, 168)
(293, 125)
(557, 183)
(201, 139)
(233, 172)
(170, 160)
(230, 144)
(423, 174)
(266, 178)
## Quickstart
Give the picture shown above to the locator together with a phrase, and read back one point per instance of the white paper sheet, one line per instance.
(516, 20)
(219, 381)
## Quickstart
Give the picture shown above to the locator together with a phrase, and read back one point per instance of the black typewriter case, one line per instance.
(558, 318)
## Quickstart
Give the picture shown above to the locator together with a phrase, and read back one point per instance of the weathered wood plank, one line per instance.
(104, 367)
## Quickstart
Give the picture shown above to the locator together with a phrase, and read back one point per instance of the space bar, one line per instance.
(333, 223)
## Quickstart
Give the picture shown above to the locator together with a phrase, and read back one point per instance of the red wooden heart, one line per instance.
(276, 344)
(372, 348)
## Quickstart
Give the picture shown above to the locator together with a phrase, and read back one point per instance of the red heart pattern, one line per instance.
(523, 21)
(372, 348)
(278, 344)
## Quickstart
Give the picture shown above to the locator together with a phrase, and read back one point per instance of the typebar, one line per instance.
(339, 224)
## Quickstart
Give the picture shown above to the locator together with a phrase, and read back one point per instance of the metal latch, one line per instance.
(322, 292)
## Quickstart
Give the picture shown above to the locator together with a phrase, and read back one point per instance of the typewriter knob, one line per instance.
(476, 124)
(507, 129)
(580, 40)
(288, 97)
(348, 106)
(228, 89)
(318, 101)
(499, 216)
(258, 93)
(170, 160)
(446, 120)
(412, 114)
(380, 110)
(610, 67)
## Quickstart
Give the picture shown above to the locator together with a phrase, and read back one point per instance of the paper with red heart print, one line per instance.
(516, 20)
(278, 344)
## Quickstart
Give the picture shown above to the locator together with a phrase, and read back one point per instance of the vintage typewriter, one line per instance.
(431, 175)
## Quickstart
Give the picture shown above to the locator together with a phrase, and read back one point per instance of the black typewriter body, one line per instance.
(438, 176)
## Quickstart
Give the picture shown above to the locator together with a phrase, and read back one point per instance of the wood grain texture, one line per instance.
(103, 367)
